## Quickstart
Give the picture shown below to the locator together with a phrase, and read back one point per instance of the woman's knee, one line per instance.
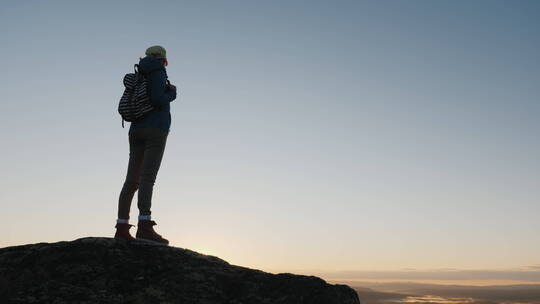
(131, 185)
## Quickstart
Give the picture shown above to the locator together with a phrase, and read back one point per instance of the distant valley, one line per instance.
(402, 292)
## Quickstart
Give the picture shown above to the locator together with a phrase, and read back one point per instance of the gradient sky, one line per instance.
(307, 135)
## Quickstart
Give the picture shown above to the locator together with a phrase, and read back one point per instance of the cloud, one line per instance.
(534, 267)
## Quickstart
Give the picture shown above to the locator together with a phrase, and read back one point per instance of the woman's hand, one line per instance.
(171, 87)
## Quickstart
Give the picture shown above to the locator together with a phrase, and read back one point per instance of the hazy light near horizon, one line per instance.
(476, 277)
(438, 300)
(312, 135)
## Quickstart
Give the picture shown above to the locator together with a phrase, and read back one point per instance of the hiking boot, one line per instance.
(146, 232)
(122, 231)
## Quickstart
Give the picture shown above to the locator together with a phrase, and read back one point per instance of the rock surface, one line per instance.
(106, 270)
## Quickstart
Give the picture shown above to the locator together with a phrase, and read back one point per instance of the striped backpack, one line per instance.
(135, 102)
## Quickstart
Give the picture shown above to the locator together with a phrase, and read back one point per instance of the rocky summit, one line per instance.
(107, 270)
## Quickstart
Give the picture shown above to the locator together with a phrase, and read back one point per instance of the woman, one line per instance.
(147, 138)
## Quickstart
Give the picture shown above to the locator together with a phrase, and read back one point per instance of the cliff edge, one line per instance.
(107, 270)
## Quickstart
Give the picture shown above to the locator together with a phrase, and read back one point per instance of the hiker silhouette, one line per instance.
(147, 140)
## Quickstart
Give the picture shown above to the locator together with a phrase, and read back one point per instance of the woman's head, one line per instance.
(158, 52)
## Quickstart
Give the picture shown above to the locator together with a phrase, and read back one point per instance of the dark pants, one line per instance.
(146, 146)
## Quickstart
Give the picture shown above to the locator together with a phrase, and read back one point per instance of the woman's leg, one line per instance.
(153, 154)
(131, 184)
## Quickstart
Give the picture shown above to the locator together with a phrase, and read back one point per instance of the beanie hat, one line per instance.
(156, 51)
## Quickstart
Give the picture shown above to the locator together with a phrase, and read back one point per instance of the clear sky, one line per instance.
(306, 136)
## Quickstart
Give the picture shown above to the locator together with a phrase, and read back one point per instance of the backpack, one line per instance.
(135, 102)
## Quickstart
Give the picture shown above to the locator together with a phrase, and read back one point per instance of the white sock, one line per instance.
(144, 217)
(122, 221)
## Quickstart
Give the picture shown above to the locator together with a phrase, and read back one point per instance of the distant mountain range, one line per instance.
(397, 292)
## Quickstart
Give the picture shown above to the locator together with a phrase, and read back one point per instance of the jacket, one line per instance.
(160, 96)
